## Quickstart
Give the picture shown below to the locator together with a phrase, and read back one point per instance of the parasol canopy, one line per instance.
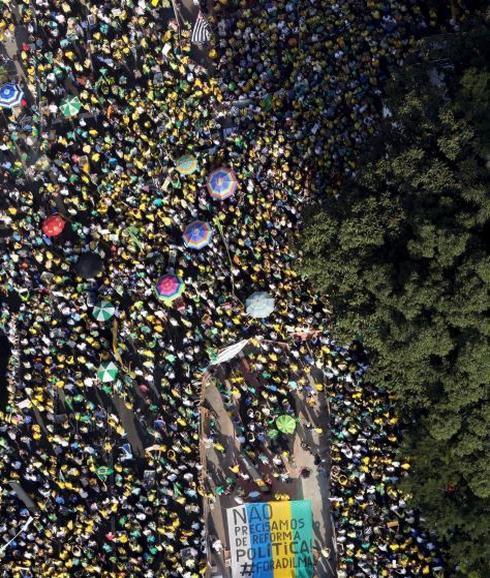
(260, 304)
(169, 287)
(10, 95)
(103, 311)
(286, 424)
(53, 225)
(197, 235)
(186, 164)
(89, 265)
(222, 183)
(107, 371)
(70, 106)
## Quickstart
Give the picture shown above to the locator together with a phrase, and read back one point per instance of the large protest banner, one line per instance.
(271, 540)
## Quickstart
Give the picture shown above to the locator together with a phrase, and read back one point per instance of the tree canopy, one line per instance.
(402, 252)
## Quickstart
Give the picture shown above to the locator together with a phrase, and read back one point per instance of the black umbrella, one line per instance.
(305, 473)
(89, 265)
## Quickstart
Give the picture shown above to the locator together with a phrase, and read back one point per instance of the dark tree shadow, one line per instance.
(5, 352)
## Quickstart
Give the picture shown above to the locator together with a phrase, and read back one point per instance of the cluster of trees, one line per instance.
(403, 255)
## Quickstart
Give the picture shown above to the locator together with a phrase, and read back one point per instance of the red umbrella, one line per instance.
(53, 225)
(169, 287)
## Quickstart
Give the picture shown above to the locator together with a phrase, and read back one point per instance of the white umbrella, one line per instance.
(260, 304)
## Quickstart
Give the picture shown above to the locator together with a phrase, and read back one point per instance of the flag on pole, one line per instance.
(202, 31)
(229, 352)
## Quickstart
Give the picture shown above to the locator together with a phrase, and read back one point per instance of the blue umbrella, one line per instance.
(222, 183)
(197, 235)
(260, 304)
(10, 95)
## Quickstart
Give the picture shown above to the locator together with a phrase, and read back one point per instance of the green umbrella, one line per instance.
(186, 164)
(107, 371)
(71, 106)
(103, 311)
(103, 472)
(286, 424)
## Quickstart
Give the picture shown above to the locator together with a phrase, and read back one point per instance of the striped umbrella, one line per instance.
(197, 235)
(70, 106)
(169, 287)
(53, 225)
(260, 304)
(107, 371)
(286, 424)
(10, 95)
(186, 164)
(222, 183)
(103, 311)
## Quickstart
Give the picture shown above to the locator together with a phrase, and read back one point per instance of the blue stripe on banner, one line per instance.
(259, 566)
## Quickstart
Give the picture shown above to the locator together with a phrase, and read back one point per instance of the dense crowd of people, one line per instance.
(112, 100)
